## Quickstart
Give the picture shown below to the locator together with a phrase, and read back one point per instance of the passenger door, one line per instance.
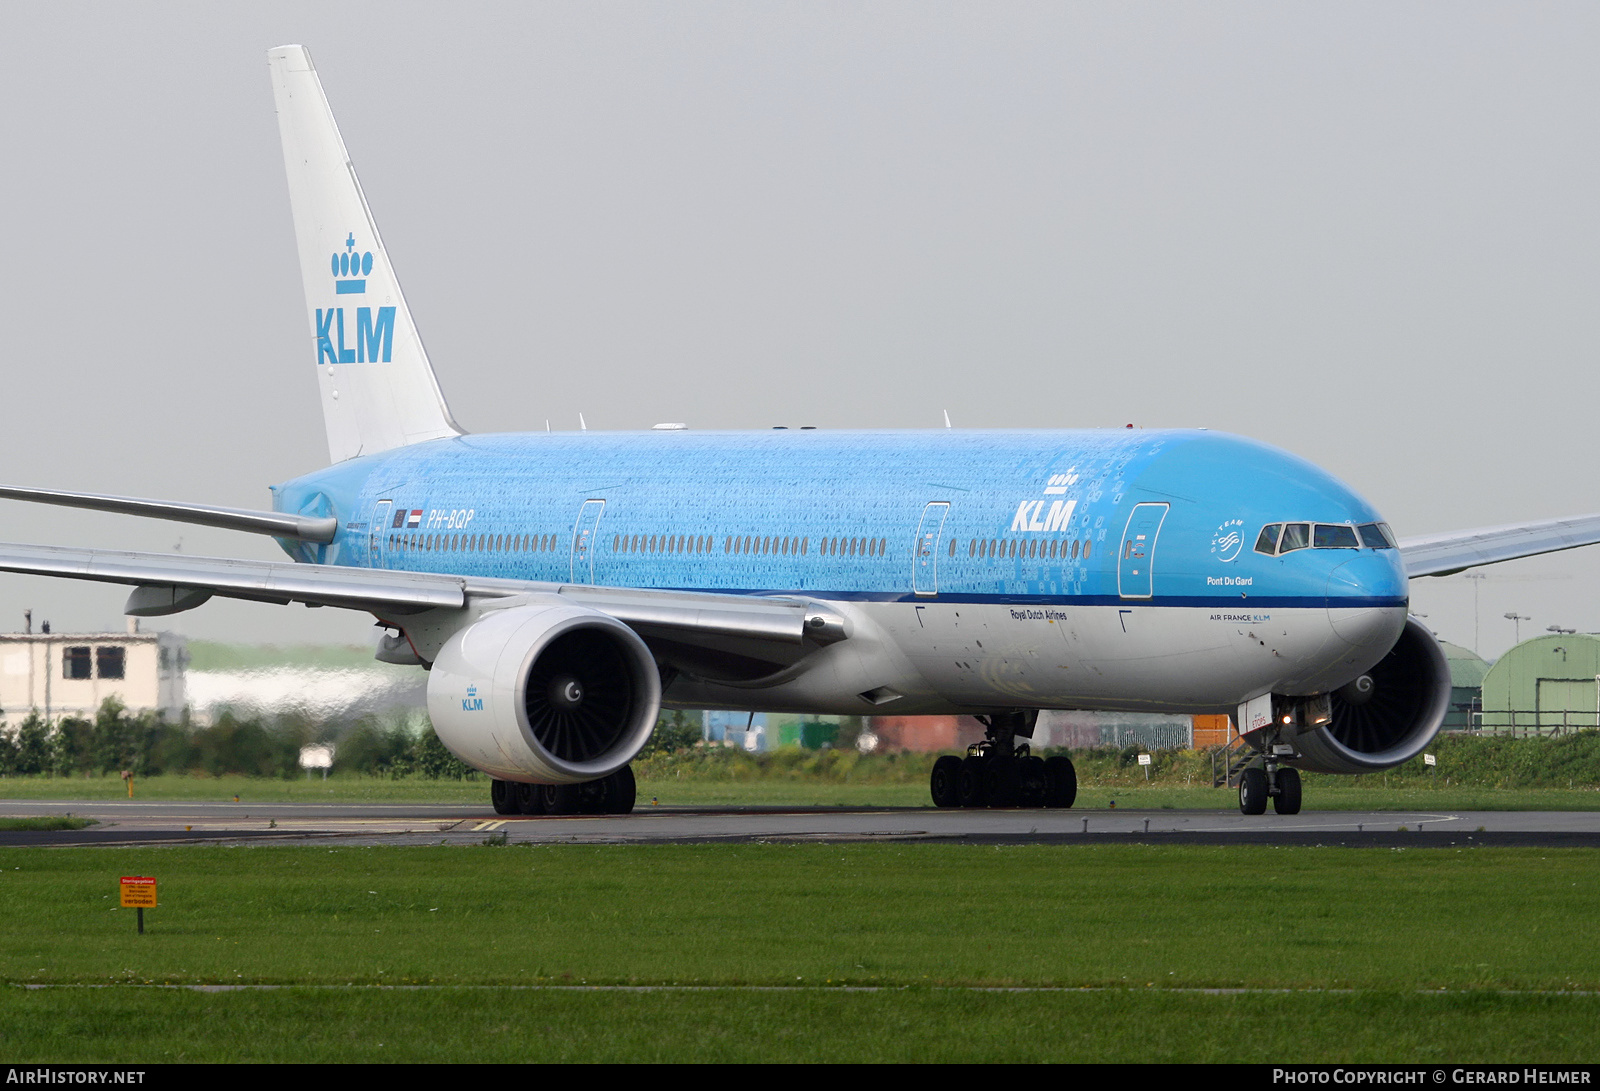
(925, 559)
(585, 540)
(1137, 557)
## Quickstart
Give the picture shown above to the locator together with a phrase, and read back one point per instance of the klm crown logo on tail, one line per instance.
(351, 264)
(374, 341)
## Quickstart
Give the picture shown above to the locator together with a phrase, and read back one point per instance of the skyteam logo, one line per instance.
(374, 340)
(1228, 540)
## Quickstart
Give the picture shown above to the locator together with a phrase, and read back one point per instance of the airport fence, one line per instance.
(1529, 723)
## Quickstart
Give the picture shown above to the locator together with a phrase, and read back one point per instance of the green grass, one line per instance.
(1495, 929)
(50, 822)
(130, 1027)
(344, 788)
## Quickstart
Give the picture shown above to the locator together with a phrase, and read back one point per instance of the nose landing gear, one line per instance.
(1270, 780)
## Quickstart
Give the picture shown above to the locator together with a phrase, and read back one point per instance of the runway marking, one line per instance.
(489, 825)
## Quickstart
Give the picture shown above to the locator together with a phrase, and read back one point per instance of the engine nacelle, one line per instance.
(1386, 716)
(544, 693)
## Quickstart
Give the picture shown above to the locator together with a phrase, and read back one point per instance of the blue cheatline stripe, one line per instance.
(1193, 602)
(350, 287)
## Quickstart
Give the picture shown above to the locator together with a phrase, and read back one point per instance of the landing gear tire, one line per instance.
(561, 798)
(1003, 782)
(1253, 791)
(943, 781)
(621, 790)
(502, 793)
(1060, 782)
(1287, 801)
(1032, 784)
(971, 783)
(529, 798)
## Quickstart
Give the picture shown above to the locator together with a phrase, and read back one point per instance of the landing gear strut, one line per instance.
(998, 772)
(614, 794)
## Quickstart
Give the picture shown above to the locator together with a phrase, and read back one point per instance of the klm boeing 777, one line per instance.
(561, 587)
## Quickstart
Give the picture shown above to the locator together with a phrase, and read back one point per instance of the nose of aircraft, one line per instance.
(1367, 599)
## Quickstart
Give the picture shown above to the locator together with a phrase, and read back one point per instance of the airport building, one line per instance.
(1467, 670)
(70, 674)
(933, 734)
(1544, 686)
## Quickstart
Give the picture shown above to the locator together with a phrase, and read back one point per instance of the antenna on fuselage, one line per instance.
(947, 418)
(582, 424)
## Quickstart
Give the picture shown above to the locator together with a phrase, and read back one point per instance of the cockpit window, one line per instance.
(1334, 536)
(1277, 539)
(1295, 536)
(1268, 541)
(1377, 536)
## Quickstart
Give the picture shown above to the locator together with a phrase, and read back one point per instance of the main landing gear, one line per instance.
(999, 773)
(1270, 780)
(612, 794)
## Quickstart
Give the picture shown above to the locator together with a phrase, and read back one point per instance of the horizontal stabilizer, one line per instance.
(278, 524)
(1445, 554)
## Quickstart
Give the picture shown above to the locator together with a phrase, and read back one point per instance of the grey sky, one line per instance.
(1364, 232)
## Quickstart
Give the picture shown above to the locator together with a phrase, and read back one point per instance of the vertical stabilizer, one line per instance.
(378, 389)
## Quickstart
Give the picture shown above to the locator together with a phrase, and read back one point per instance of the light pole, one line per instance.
(1517, 619)
(1477, 579)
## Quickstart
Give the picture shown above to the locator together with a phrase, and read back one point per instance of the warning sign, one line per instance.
(138, 892)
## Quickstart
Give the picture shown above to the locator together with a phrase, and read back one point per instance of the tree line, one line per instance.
(117, 741)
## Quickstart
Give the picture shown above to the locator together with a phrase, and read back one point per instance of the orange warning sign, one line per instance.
(138, 892)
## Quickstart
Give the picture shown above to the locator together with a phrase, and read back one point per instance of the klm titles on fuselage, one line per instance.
(1031, 515)
(374, 339)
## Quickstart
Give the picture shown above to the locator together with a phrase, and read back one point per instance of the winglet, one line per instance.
(378, 389)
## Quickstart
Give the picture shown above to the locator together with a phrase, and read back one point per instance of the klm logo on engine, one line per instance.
(373, 338)
(472, 702)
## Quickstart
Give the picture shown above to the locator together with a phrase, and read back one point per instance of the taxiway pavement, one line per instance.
(155, 822)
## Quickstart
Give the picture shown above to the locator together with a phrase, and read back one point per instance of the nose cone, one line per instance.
(1367, 600)
(1371, 577)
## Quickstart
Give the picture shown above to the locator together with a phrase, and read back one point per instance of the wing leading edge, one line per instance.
(169, 583)
(1446, 554)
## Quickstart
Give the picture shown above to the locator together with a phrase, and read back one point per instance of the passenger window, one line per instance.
(1267, 541)
(1295, 536)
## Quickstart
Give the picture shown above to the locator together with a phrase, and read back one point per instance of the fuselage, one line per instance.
(1107, 569)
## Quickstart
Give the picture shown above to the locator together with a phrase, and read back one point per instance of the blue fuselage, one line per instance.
(1031, 522)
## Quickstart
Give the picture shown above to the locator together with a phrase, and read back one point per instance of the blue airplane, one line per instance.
(560, 588)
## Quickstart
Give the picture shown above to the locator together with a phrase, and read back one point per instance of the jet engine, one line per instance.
(544, 693)
(1387, 715)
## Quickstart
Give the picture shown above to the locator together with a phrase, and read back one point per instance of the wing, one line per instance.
(1446, 554)
(276, 523)
(166, 583)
